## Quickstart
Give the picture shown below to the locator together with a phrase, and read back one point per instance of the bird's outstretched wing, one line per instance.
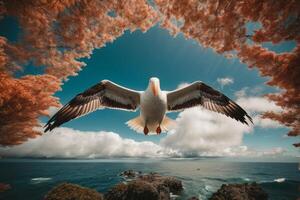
(199, 93)
(105, 94)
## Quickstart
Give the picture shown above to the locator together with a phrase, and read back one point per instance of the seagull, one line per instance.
(153, 104)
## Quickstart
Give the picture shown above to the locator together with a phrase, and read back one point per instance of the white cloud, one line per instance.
(201, 132)
(244, 151)
(52, 110)
(273, 152)
(225, 81)
(256, 106)
(182, 85)
(265, 122)
(70, 143)
(241, 93)
(204, 133)
(209, 137)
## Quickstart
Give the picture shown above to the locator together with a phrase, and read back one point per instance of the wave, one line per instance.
(215, 179)
(208, 188)
(173, 196)
(246, 179)
(279, 180)
(228, 180)
(40, 179)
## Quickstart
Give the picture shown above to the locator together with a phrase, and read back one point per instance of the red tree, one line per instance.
(57, 33)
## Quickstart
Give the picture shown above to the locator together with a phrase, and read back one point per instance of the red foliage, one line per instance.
(4, 187)
(221, 25)
(22, 101)
(57, 33)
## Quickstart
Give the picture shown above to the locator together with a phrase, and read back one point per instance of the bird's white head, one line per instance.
(154, 85)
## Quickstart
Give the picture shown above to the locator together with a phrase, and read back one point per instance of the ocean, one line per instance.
(31, 179)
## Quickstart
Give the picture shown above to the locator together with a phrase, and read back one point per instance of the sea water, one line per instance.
(32, 178)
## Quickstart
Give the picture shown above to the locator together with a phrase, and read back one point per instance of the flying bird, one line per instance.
(153, 103)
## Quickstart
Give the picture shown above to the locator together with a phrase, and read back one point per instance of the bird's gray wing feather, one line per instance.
(200, 94)
(104, 94)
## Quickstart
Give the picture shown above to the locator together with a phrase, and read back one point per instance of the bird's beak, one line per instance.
(154, 88)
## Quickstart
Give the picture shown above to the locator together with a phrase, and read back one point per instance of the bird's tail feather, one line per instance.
(167, 124)
(137, 124)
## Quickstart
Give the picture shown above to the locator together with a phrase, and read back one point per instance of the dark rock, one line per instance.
(68, 191)
(133, 190)
(164, 192)
(174, 185)
(146, 187)
(142, 190)
(4, 187)
(143, 187)
(240, 192)
(119, 191)
(193, 198)
(130, 174)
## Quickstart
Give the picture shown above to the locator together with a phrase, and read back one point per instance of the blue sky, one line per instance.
(135, 57)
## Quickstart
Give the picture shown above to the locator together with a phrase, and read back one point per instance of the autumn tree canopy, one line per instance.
(57, 33)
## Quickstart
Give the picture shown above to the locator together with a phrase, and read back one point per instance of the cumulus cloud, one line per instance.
(258, 120)
(257, 105)
(204, 133)
(244, 151)
(52, 110)
(203, 139)
(70, 143)
(253, 91)
(201, 132)
(225, 81)
(182, 85)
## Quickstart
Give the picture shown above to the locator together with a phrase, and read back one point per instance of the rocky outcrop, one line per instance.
(130, 173)
(193, 198)
(172, 184)
(68, 191)
(133, 190)
(240, 192)
(152, 187)
(147, 187)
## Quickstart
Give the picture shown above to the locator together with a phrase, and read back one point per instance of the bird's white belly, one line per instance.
(153, 108)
